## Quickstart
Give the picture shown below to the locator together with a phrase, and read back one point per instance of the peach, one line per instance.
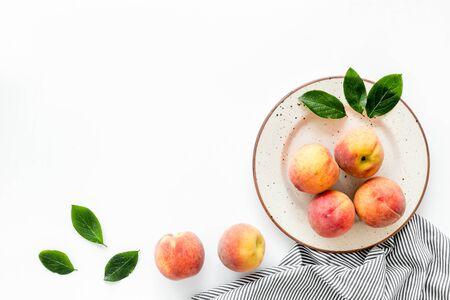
(313, 169)
(179, 256)
(331, 214)
(359, 152)
(241, 248)
(379, 202)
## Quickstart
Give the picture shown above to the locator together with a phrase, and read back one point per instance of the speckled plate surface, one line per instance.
(289, 126)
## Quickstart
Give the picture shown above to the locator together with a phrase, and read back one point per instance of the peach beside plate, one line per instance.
(289, 126)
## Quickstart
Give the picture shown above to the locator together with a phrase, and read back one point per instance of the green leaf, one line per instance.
(355, 90)
(323, 104)
(121, 265)
(86, 224)
(56, 261)
(384, 95)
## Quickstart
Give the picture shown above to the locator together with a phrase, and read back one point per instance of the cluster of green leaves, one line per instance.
(87, 225)
(382, 98)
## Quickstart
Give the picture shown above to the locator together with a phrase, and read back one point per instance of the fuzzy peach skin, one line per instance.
(331, 214)
(359, 152)
(379, 202)
(179, 256)
(313, 169)
(241, 248)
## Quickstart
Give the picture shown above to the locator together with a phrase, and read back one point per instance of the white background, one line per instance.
(147, 112)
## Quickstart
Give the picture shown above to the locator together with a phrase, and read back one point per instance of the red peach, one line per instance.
(241, 248)
(359, 152)
(331, 214)
(379, 202)
(313, 169)
(179, 256)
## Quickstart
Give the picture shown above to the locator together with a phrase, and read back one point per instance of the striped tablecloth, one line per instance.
(413, 264)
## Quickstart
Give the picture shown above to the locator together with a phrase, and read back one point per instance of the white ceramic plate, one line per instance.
(289, 126)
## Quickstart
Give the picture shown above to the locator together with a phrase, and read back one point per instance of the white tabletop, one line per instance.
(147, 113)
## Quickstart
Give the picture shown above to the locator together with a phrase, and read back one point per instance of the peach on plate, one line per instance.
(379, 202)
(313, 169)
(359, 152)
(331, 214)
(179, 256)
(241, 248)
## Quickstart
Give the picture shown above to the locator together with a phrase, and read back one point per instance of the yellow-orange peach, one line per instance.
(379, 202)
(359, 152)
(179, 256)
(331, 214)
(241, 248)
(313, 169)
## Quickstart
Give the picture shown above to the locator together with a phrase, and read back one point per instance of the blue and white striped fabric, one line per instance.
(413, 264)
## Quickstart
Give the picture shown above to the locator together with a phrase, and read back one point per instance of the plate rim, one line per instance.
(255, 181)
